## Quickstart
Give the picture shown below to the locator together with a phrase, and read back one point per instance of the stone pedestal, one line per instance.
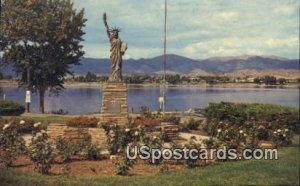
(114, 103)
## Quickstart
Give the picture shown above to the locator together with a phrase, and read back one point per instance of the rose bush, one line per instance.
(11, 143)
(66, 149)
(24, 125)
(41, 152)
(241, 124)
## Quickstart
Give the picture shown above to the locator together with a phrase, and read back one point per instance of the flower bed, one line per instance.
(82, 121)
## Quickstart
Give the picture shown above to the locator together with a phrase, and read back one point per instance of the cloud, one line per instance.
(195, 28)
(234, 46)
(227, 16)
(285, 10)
(280, 43)
(96, 50)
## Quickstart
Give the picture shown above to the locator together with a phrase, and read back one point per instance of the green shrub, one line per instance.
(124, 165)
(82, 121)
(11, 144)
(40, 152)
(192, 124)
(192, 163)
(68, 148)
(155, 142)
(113, 137)
(263, 134)
(92, 152)
(145, 111)
(117, 140)
(282, 137)
(11, 108)
(164, 137)
(233, 123)
(239, 113)
(25, 125)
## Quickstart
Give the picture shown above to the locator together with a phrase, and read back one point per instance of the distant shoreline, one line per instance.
(11, 83)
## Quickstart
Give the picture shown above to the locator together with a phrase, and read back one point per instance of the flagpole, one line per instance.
(165, 57)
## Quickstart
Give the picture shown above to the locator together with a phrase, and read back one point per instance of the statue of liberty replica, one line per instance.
(117, 49)
(114, 109)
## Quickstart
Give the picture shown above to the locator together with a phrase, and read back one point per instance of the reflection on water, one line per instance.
(88, 100)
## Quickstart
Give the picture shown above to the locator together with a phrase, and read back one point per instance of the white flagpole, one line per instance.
(165, 57)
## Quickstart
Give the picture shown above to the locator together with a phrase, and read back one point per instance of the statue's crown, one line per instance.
(115, 29)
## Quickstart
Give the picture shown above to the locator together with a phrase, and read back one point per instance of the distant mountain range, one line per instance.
(184, 65)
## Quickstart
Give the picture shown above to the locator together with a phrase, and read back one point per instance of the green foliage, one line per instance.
(192, 163)
(154, 142)
(192, 124)
(11, 144)
(90, 77)
(164, 137)
(236, 122)
(282, 81)
(11, 108)
(258, 80)
(59, 112)
(42, 37)
(282, 137)
(118, 138)
(139, 79)
(82, 121)
(173, 79)
(1, 76)
(66, 149)
(123, 166)
(92, 152)
(26, 125)
(114, 137)
(40, 152)
(284, 171)
(270, 80)
(145, 111)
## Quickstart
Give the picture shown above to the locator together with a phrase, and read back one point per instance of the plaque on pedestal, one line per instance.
(114, 103)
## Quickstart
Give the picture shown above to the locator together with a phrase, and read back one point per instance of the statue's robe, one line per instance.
(116, 60)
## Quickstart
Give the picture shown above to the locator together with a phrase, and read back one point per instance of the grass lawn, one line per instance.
(284, 171)
(44, 118)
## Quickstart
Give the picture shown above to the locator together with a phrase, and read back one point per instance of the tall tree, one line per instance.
(2, 38)
(44, 36)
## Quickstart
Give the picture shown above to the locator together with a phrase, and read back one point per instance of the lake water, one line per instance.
(88, 100)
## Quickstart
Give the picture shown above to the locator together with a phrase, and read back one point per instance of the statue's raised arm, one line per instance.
(106, 25)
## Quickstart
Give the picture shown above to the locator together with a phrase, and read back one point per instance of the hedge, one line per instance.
(11, 108)
(240, 113)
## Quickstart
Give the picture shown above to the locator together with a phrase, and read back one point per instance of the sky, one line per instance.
(197, 29)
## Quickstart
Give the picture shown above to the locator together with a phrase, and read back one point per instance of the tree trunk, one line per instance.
(42, 95)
